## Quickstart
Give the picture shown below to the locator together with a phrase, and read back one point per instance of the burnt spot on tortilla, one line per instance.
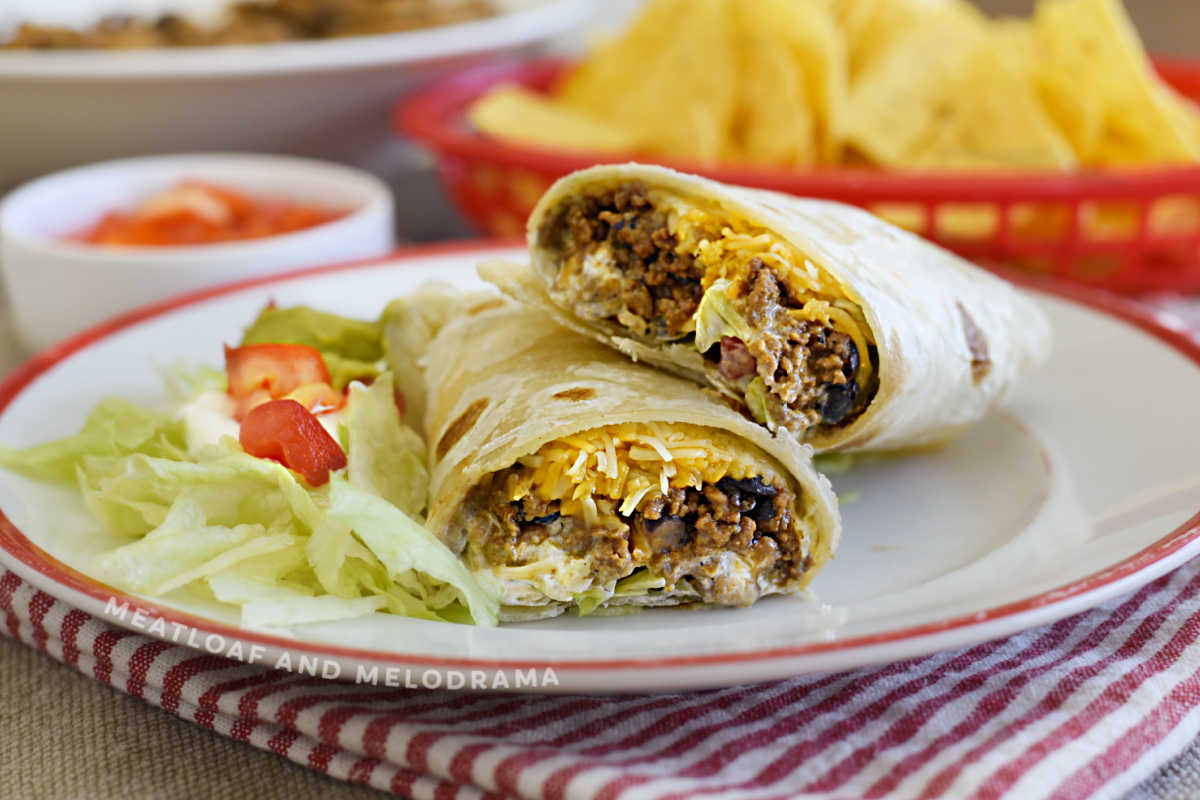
(575, 395)
(486, 305)
(977, 343)
(460, 427)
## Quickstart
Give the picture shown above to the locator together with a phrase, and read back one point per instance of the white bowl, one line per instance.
(58, 287)
(329, 98)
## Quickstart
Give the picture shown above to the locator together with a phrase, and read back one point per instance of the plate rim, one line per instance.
(26, 558)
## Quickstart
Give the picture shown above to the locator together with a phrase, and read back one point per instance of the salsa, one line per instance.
(193, 212)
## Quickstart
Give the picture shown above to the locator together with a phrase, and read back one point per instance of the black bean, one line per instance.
(763, 511)
(546, 520)
(850, 366)
(837, 402)
(753, 485)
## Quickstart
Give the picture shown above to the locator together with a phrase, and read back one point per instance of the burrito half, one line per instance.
(567, 476)
(812, 316)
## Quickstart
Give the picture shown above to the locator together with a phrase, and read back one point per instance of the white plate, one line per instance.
(1081, 488)
(328, 98)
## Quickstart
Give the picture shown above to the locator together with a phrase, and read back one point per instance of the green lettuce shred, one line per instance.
(716, 317)
(756, 399)
(247, 531)
(638, 583)
(352, 348)
(385, 455)
(115, 428)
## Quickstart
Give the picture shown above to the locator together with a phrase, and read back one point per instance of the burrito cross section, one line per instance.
(772, 327)
(617, 499)
(591, 508)
(568, 477)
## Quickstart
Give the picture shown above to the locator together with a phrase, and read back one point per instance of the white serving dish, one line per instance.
(329, 98)
(56, 287)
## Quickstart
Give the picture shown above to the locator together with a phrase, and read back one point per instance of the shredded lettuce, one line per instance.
(756, 399)
(172, 555)
(716, 317)
(414, 558)
(184, 380)
(115, 428)
(248, 532)
(270, 604)
(837, 463)
(385, 456)
(588, 601)
(638, 583)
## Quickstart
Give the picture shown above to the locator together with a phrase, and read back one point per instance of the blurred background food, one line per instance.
(84, 244)
(920, 84)
(1043, 138)
(189, 23)
(326, 97)
(193, 212)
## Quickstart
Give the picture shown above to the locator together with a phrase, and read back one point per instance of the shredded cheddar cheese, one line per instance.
(725, 246)
(626, 463)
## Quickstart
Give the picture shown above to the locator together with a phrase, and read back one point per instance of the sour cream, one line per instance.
(83, 15)
(207, 419)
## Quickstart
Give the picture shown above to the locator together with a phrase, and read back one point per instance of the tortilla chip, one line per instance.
(516, 113)
(670, 80)
(1091, 50)
(774, 124)
(809, 31)
(900, 99)
(792, 53)
(871, 27)
(616, 61)
(890, 83)
(992, 115)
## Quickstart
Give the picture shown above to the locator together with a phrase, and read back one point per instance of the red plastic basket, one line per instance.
(1127, 230)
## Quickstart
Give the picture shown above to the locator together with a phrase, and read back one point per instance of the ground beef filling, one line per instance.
(809, 369)
(256, 23)
(686, 532)
(655, 290)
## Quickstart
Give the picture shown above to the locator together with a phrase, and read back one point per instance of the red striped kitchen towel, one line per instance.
(1084, 708)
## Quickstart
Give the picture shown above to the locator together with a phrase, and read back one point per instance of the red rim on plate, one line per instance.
(1127, 230)
(18, 546)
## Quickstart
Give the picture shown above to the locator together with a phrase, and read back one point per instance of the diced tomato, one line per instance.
(279, 369)
(194, 212)
(285, 431)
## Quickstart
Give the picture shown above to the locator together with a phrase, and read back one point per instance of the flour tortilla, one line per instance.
(410, 324)
(914, 296)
